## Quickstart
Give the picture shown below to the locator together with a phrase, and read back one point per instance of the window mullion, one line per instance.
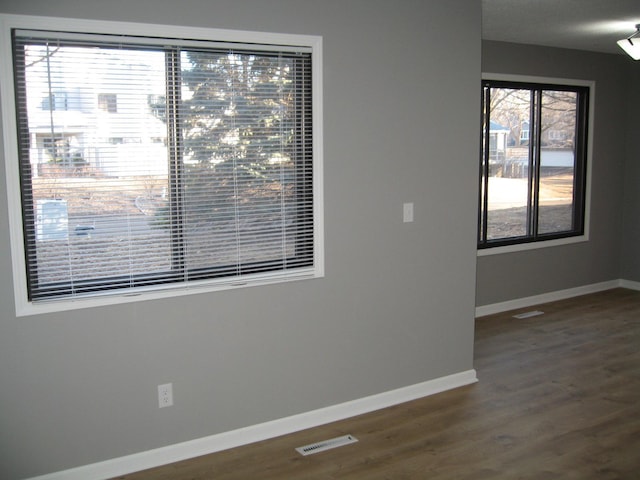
(534, 168)
(484, 165)
(176, 164)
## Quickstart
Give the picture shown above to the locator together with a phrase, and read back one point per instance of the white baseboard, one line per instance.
(243, 436)
(630, 285)
(551, 297)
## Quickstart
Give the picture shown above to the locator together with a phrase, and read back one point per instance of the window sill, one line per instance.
(50, 306)
(485, 252)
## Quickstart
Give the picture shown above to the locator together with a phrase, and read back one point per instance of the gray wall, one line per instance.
(630, 258)
(522, 274)
(396, 306)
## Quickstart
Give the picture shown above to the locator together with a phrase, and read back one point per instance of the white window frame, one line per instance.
(10, 134)
(587, 191)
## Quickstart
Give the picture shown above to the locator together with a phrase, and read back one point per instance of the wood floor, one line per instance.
(558, 398)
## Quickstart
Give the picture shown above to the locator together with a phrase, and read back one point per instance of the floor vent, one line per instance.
(532, 313)
(326, 445)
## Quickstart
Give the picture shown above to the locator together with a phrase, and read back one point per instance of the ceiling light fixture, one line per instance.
(631, 45)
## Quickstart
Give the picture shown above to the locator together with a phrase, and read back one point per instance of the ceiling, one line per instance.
(593, 25)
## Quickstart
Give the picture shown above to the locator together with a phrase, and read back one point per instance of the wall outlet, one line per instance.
(407, 212)
(165, 395)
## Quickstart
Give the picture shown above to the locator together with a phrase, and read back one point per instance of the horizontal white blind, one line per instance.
(156, 165)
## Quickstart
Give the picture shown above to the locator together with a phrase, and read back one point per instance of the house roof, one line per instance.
(496, 127)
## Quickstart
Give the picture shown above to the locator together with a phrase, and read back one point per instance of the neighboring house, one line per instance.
(524, 134)
(513, 161)
(498, 136)
(89, 119)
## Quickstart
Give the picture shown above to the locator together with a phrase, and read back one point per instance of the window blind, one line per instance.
(161, 165)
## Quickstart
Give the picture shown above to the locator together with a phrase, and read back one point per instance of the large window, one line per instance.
(533, 162)
(215, 181)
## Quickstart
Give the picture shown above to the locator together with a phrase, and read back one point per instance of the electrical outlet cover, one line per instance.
(165, 395)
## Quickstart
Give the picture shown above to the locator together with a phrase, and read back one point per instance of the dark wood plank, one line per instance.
(558, 398)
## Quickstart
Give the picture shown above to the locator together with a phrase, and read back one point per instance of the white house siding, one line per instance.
(128, 140)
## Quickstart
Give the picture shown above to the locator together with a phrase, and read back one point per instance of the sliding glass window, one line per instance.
(533, 162)
(154, 163)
